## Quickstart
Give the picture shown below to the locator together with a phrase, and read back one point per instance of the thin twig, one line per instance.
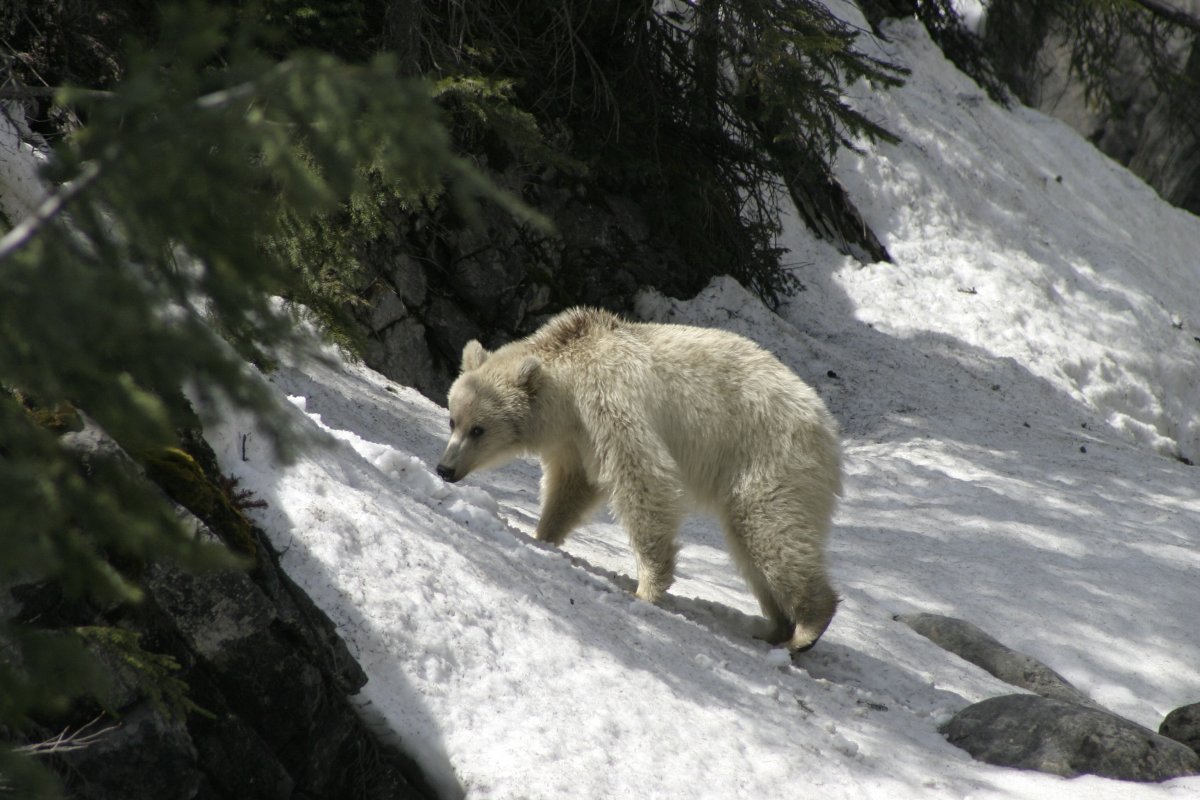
(50, 208)
(26, 92)
(66, 742)
(53, 205)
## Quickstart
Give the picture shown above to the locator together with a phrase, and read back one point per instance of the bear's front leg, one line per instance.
(636, 468)
(655, 548)
(567, 497)
(651, 519)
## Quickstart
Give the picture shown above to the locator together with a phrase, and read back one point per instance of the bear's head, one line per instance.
(491, 410)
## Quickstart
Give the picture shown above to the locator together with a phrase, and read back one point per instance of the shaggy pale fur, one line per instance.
(651, 417)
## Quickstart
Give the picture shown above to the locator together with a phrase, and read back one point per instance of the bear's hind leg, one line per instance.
(814, 617)
(787, 559)
(780, 626)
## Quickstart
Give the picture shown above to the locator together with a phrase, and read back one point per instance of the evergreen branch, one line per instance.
(28, 92)
(225, 97)
(217, 99)
(47, 210)
(1170, 14)
(53, 205)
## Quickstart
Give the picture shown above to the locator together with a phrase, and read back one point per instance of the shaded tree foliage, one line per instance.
(1139, 64)
(696, 108)
(701, 112)
(143, 274)
(1099, 35)
(946, 27)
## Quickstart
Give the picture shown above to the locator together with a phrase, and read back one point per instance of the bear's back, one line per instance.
(719, 402)
(725, 406)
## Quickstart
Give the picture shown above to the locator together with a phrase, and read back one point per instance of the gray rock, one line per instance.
(487, 275)
(975, 645)
(271, 675)
(1038, 733)
(147, 756)
(407, 276)
(236, 761)
(628, 217)
(1183, 725)
(231, 625)
(396, 288)
(216, 612)
(91, 446)
(266, 675)
(401, 353)
(387, 309)
(450, 327)
(304, 622)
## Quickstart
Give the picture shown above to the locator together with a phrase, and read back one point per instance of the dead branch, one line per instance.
(67, 741)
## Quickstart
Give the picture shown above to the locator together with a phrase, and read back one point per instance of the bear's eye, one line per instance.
(476, 432)
(452, 426)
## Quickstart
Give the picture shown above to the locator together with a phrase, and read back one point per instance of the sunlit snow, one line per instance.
(1014, 392)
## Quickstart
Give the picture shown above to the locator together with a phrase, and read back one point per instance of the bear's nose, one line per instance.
(445, 473)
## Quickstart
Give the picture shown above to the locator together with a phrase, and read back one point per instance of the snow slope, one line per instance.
(1013, 236)
(1012, 391)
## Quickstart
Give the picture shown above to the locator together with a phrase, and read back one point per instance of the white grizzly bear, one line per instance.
(648, 415)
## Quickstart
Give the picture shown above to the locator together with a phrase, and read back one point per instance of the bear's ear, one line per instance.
(473, 356)
(529, 373)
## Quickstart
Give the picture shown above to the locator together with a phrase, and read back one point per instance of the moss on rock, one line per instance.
(186, 482)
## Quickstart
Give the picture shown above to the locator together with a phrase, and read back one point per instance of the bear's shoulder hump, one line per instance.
(574, 324)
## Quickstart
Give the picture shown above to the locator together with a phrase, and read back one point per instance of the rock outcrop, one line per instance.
(1057, 729)
(969, 642)
(1183, 725)
(1031, 732)
(223, 682)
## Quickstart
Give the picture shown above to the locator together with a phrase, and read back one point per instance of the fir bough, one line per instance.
(149, 259)
(152, 675)
(679, 104)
